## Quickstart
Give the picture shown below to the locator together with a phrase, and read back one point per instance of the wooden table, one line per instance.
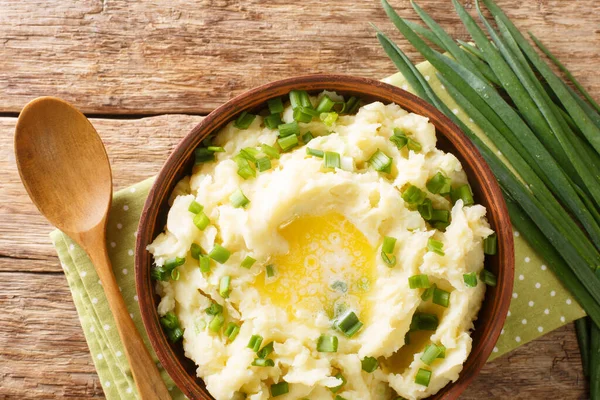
(144, 72)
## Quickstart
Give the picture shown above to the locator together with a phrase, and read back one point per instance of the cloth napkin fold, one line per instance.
(539, 305)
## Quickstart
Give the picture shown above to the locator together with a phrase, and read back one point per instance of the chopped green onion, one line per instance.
(441, 297)
(288, 142)
(295, 98)
(255, 342)
(196, 251)
(277, 389)
(414, 145)
(216, 323)
(201, 220)
(219, 253)
(369, 364)
(307, 137)
(216, 149)
(275, 105)
(439, 184)
(388, 244)
(300, 115)
(329, 118)
(440, 215)
(270, 270)
(430, 354)
(423, 377)
(174, 263)
(249, 153)
(463, 193)
(488, 277)
(418, 282)
(349, 323)
(315, 152)
(265, 351)
(424, 322)
(389, 261)
(325, 104)
(338, 397)
(225, 286)
(263, 164)
(195, 207)
(289, 129)
(204, 264)
(244, 120)
(261, 362)
(428, 293)
(442, 351)
(399, 140)
(490, 244)
(248, 262)
(171, 324)
(202, 155)
(231, 331)
(331, 159)
(214, 309)
(270, 151)
(425, 209)
(273, 121)
(435, 246)
(380, 161)
(337, 388)
(413, 195)
(245, 170)
(470, 279)
(164, 272)
(327, 344)
(238, 199)
(351, 105)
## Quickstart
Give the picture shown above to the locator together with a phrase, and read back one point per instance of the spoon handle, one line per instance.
(145, 373)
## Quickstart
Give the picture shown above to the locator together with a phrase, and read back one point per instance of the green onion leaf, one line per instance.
(249, 153)
(440, 215)
(248, 262)
(413, 195)
(327, 344)
(414, 145)
(441, 297)
(277, 389)
(238, 199)
(202, 155)
(216, 149)
(315, 152)
(261, 362)
(214, 309)
(225, 286)
(418, 282)
(273, 121)
(380, 161)
(325, 104)
(399, 139)
(488, 277)
(269, 151)
(331, 159)
(172, 327)
(307, 137)
(490, 244)
(275, 105)
(337, 388)
(301, 115)
(296, 98)
(216, 323)
(195, 207)
(424, 322)
(288, 142)
(231, 331)
(245, 170)
(369, 364)
(470, 279)
(428, 293)
(219, 253)
(430, 354)
(349, 323)
(463, 193)
(289, 129)
(351, 105)
(265, 351)
(423, 377)
(435, 246)
(388, 244)
(204, 264)
(244, 120)
(329, 118)
(270, 270)
(201, 220)
(426, 209)
(255, 342)
(439, 184)
(263, 164)
(389, 261)
(196, 251)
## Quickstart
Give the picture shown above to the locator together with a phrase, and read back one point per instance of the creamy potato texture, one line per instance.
(319, 233)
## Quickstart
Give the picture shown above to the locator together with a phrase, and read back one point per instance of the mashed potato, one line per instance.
(316, 234)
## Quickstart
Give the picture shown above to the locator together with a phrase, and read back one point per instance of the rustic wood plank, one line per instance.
(43, 353)
(153, 57)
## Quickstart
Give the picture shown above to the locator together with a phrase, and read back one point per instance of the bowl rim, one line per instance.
(247, 100)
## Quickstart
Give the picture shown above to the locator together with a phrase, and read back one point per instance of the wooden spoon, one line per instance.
(65, 169)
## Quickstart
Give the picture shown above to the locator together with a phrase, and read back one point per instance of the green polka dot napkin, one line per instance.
(540, 303)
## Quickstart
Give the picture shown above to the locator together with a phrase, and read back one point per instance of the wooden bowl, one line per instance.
(450, 138)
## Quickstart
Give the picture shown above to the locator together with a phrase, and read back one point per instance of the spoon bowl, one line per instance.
(65, 169)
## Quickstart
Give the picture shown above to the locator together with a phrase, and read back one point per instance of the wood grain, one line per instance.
(153, 57)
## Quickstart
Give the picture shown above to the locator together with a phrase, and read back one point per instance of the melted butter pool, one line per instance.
(330, 265)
